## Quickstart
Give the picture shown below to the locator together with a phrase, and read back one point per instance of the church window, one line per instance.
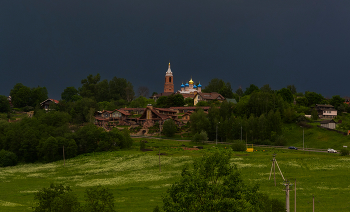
(169, 79)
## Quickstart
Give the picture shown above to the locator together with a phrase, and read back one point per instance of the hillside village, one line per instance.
(35, 128)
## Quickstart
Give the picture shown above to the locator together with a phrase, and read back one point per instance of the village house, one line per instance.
(208, 97)
(186, 109)
(326, 111)
(156, 115)
(46, 104)
(187, 116)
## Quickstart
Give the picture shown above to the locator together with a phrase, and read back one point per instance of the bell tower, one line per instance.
(169, 81)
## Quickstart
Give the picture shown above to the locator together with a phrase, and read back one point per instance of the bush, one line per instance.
(142, 145)
(55, 198)
(7, 158)
(239, 146)
(280, 141)
(169, 128)
(200, 137)
(99, 199)
(344, 152)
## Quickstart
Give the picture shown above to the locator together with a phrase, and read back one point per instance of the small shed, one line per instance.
(330, 124)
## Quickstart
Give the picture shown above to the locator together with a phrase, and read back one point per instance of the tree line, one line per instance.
(43, 137)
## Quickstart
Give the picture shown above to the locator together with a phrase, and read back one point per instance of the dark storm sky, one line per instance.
(57, 43)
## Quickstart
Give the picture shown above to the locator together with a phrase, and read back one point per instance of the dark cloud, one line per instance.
(58, 43)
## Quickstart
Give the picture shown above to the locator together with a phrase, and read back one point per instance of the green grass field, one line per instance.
(138, 185)
(314, 137)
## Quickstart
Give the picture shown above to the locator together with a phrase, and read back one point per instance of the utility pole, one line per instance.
(159, 161)
(287, 195)
(274, 163)
(303, 137)
(217, 133)
(64, 157)
(295, 195)
(241, 132)
(273, 167)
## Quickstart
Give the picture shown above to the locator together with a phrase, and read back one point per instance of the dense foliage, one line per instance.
(44, 136)
(23, 96)
(7, 158)
(169, 128)
(4, 104)
(215, 185)
(59, 198)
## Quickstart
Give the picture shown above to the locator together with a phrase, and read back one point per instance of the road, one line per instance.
(265, 146)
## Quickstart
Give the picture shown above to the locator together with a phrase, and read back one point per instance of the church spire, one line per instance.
(169, 73)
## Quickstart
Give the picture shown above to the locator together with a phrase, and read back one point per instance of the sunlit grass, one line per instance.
(138, 184)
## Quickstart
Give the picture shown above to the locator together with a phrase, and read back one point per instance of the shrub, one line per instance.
(239, 146)
(99, 199)
(55, 198)
(169, 128)
(142, 145)
(200, 137)
(344, 152)
(7, 158)
(280, 141)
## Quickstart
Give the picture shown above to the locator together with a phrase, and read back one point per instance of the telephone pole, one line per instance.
(274, 169)
(287, 184)
(295, 195)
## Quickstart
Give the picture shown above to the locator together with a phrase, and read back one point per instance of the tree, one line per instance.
(266, 88)
(200, 137)
(5, 106)
(48, 149)
(143, 91)
(81, 110)
(87, 138)
(314, 114)
(292, 89)
(174, 100)
(239, 92)
(7, 158)
(286, 95)
(141, 102)
(314, 98)
(169, 128)
(99, 199)
(162, 102)
(189, 101)
(69, 94)
(336, 101)
(219, 86)
(38, 95)
(120, 88)
(251, 89)
(20, 95)
(302, 101)
(214, 185)
(199, 121)
(89, 86)
(56, 198)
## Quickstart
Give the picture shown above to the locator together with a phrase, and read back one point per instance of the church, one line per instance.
(189, 90)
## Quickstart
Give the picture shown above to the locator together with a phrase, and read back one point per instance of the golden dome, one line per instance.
(190, 82)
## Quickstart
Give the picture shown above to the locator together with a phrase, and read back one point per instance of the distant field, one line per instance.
(137, 184)
(314, 137)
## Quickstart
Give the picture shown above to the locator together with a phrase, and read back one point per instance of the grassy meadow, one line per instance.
(138, 185)
(314, 137)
